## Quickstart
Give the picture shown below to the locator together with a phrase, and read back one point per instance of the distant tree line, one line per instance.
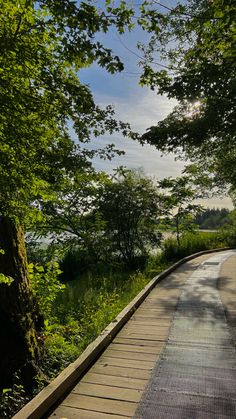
(212, 218)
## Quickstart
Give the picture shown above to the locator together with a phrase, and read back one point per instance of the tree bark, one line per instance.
(20, 323)
(177, 231)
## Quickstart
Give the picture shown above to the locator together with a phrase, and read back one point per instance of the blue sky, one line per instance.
(137, 105)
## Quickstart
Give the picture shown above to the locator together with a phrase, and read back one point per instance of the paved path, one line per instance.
(175, 358)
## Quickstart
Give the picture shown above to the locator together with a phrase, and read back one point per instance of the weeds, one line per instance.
(77, 312)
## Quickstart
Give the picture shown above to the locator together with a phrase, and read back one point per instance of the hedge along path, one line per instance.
(113, 386)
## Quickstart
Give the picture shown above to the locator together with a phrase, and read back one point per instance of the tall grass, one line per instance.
(92, 301)
(192, 243)
(82, 311)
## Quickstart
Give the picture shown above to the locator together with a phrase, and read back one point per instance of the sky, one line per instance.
(139, 106)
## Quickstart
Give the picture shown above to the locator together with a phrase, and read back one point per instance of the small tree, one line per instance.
(130, 205)
(179, 206)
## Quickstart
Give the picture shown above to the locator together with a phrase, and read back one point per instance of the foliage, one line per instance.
(156, 263)
(82, 311)
(41, 251)
(43, 104)
(98, 218)
(196, 42)
(74, 262)
(179, 205)
(130, 206)
(58, 351)
(212, 218)
(191, 243)
(4, 279)
(228, 230)
(45, 43)
(72, 219)
(12, 399)
(45, 284)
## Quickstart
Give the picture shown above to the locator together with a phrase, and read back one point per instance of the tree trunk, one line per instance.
(177, 232)
(20, 323)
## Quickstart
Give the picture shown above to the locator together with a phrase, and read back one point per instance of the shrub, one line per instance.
(191, 243)
(74, 263)
(45, 284)
(12, 399)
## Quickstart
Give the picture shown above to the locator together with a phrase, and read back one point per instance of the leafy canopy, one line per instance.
(72, 219)
(196, 42)
(100, 217)
(43, 46)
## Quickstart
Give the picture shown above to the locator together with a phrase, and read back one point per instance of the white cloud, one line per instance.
(218, 202)
(142, 108)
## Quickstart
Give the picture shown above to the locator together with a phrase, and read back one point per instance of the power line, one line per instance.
(140, 56)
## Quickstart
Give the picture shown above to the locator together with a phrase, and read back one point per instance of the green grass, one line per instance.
(81, 313)
(192, 243)
(88, 304)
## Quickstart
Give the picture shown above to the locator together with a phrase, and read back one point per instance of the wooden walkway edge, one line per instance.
(50, 395)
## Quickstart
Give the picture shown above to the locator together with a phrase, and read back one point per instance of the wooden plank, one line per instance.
(154, 311)
(140, 318)
(129, 363)
(120, 371)
(161, 303)
(112, 353)
(108, 392)
(151, 317)
(149, 322)
(132, 327)
(153, 308)
(150, 329)
(64, 412)
(144, 336)
(164, 292)
(154, 316)
(161, 308)
(141, 342)
(141, 334)
(114, 381)
(98, 404)
(155, 350)
(155, 325)
(166, 301)
(147, 334)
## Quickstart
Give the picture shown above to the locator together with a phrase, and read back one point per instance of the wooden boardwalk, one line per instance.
(113, 387)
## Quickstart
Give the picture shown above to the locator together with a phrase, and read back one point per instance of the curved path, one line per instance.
(175, 358)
